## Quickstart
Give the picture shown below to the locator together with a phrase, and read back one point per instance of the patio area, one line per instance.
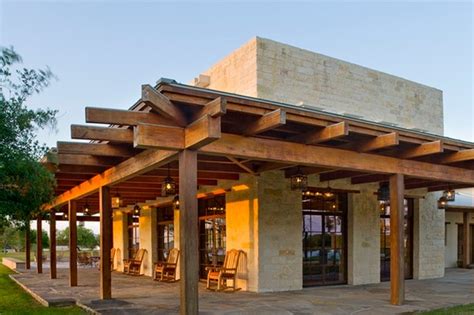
(141, 295)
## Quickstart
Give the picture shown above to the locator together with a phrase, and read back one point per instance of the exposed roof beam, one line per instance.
(451, 208)
(340, 174)
(286, 152)
(331, 132)
(271, 166)
(101, 133)
(365, 179)
(122, 117)
(88, 160)
(241, 165)
(79, 169)
(460, 156)
(162, 105)
(138, 164)
(267, 122)
(380, 142)
(307, 170)
(214, 108)
(424, 149)
(443, 187)
(98, 149)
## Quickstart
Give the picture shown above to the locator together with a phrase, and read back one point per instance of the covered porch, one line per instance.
(214, 143)
(141, 295)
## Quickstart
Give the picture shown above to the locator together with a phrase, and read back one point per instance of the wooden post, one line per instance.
(466, 244)
(28, 245)
(397, 261)
(105, 242)
(188, 232)
(72, 243)
(39, 244)
(52, 244)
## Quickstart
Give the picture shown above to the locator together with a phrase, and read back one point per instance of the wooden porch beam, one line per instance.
(271, 166)
(300, 154)
(72, 212)
(28, 246)
(39, 244)
(331, 132)
(162, 105)
(96, 149)
(86, 160)
(52, 244)
(188, 233)
(122, 117)
(136, 165)
(214, 108)
(460, 156)
(101, 133)
(397, 262)
(380, 142)
(424, 149)
(241, 165)
(202, 132)
(105, 243)
(372, 178)
(340, 174)
(267, 122)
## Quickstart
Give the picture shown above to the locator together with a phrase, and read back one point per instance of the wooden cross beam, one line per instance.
(122, 117)
(460, 156)
(267, 122)
(101, 133)
(88, 160)
(365, 179)
(214, 108)
(241, 165)
(340, 174)
(161, 104)
(380, 142)
(424, 149)
(96, 149)
(331, 132)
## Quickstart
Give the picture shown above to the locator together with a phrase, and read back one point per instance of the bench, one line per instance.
(13, 263)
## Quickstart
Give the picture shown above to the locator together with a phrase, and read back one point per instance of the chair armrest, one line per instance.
(213, 269)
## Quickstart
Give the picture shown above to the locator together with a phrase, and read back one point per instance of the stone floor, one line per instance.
(141, 295)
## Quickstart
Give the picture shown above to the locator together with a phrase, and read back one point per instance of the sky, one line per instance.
(103, 51)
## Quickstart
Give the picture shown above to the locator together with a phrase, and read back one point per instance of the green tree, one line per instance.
(85, 237)
(10, 237)
(25, 185)
(44, 238)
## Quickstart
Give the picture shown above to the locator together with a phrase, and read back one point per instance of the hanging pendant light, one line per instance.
(442, 202)
(328, 193)
(383, 193)
(116, 200)
(169, 185)
(136, 210)
(65, 216)
(449, 195)
(86, 210)
(299, 181)
(176, 202)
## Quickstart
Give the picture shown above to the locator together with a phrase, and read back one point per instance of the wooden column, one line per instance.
(466, 241)
(105, 242)
(28, 245)
(52, 244)
(188, 232)
(39, 244)
(397, 261)
(72, 243)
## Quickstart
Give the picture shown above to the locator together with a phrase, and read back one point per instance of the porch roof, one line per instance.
(236, 134)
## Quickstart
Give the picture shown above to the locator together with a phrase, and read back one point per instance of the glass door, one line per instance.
(324, 238)
(385, 240)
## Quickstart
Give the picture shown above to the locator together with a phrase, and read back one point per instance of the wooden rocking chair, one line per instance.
(166, 270)
(133, 266)
(228, 271)
(112, 259)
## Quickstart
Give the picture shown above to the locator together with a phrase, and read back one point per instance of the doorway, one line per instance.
(324, 238)
(385, 239)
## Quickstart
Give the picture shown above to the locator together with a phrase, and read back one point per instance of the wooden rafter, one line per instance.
(122, 117)
(214, 108)
(88, 160)
(97, 149)
(162, 105)
(340, 174)
(365, 179)
(269, 121)
(424, 149)
(380, 142)
(101, 133)
(241, 165)
(331, 132)
(460, 156)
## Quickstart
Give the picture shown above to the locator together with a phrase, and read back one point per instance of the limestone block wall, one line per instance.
(271, 70)
(429, 248)
(280, 232)
(148, 239)
(120, 240)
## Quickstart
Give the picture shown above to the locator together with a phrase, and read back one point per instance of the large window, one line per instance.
(165, 226)
(212, 232)
(324, 238)
(133, 235)
(385, 239)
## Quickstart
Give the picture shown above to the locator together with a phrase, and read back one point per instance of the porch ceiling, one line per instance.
(236, 134)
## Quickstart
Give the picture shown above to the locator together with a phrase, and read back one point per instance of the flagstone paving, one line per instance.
(141, 295)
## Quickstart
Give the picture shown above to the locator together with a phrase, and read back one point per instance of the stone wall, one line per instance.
(267, 69)
(120, 239)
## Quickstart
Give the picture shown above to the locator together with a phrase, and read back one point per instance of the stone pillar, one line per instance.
(120, 239)
(148, 239)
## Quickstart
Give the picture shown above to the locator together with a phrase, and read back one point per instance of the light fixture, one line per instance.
(65, 215)
(442, 202)
(449, 194)
(136, 210)
(383, 193)
(176, 202)
(328, 193)
(299, 181)
(87, 210)
(169, 185)
(116, 201)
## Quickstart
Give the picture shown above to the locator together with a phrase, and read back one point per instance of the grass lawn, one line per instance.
(14, 300)
(456, 310)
